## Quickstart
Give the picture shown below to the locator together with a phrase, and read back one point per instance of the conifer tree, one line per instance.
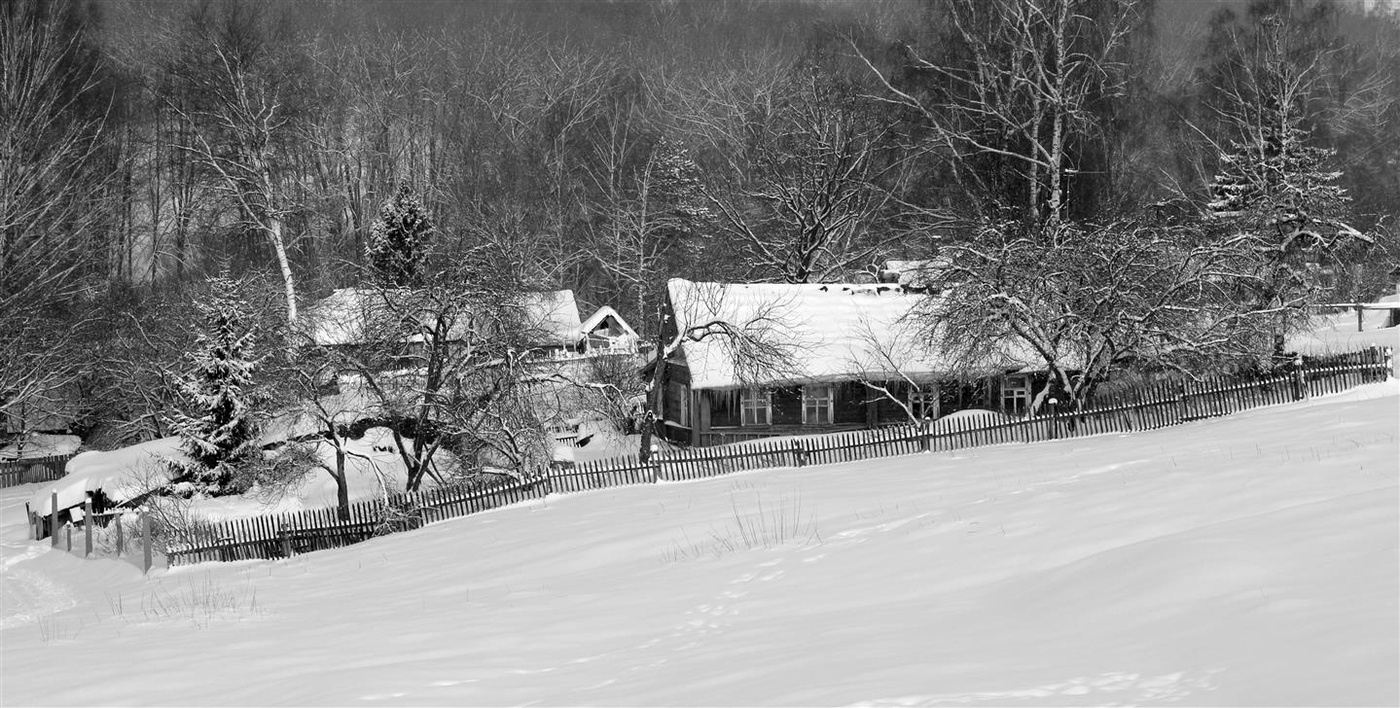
(1274, 199)
(398, 240)
(221, 432)
(1274, 178)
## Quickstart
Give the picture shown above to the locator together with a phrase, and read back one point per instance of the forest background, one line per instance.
(605, 147)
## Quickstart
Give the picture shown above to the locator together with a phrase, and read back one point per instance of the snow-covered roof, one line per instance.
(553, 314)
(341, 318)
(603, 313)
(830, 332)
(121, 474)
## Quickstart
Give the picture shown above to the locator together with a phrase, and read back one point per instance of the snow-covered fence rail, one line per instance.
(32, 470)
(1141, 408)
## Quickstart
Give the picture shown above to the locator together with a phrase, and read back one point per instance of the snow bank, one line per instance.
(131, 471)
(121, 474)
(373, 466)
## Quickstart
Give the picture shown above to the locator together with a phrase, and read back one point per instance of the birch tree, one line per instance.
(233, 88)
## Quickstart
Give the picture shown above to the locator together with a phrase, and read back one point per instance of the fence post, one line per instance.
(799, 454)
(1389, 362)
(146, 542)
(1300, 381)
(53, 520)
(1181, 410)
(925, 434)
(286, 541)
(118, 519)
(1054, 418)
(68, 536)
(87, 527)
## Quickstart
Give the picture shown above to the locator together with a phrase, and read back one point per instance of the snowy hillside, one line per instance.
(1243, 561)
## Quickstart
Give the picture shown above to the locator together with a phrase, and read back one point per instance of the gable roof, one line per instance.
(604, 312)
(553, 315)
(340, 318)
(831, 332)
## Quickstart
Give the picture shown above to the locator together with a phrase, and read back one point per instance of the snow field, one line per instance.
(1251, 560)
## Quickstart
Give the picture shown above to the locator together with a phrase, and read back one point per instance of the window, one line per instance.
(816, 405)
(1015, 394)
(923, 401)
(756, 407)
(678, 403)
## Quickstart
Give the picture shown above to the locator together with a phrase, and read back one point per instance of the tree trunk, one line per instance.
(274, 234)
(1057, 114)
(658, 376)
(342, 487)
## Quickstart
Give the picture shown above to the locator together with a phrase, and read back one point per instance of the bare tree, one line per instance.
(754, 337)
(52, 201)
(804, 179)
(442, 364)
(1084, 303)
(233, 94)
(1016, 89)
(316, 413)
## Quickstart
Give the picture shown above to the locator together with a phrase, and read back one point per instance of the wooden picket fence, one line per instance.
(287, 534)
(1145, 408)
(35, 469)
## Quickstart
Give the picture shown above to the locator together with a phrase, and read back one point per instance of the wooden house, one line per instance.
(605, 332)
(355, 316)
(549, 321)
(830, 357)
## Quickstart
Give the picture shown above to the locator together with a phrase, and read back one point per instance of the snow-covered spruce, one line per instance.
(398, 239)
(221, 431)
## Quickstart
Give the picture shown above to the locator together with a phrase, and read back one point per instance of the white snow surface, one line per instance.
(834, 331)
(1336, 334)
(121, 474)
(130, 471)
(1250, 560)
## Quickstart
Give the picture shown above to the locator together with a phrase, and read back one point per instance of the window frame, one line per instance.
(757, 400)
(924, 398)
(1015, 399)
(829, 396)
(682, 393)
